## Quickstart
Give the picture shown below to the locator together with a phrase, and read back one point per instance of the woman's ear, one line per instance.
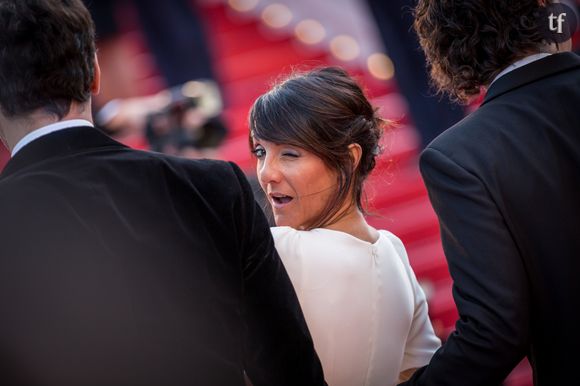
(355, 154)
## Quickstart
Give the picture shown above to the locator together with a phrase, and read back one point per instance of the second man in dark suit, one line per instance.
(505, 183)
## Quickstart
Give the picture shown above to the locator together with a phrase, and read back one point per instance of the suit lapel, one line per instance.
(548, 66)
(61, 143)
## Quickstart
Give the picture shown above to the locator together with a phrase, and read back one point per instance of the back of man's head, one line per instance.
(47, 54)
(467, 43)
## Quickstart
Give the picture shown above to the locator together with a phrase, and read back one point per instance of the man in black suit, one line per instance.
(505, 183)
(120, 267)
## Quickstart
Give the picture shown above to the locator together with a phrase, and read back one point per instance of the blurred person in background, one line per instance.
(123, 267)
(316, 139)
(431, 114)
(505, 183)
(184, 117)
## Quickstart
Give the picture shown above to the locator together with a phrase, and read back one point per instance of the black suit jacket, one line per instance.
(505, 183)
(122, 267)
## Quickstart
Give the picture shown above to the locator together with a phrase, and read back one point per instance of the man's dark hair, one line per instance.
(467, 43)
(46, 55)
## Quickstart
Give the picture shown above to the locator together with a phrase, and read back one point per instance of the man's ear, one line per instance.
(96, 83)
(355, 153)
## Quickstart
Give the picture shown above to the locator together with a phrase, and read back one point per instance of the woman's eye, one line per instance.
(259, 152)
(291, 155)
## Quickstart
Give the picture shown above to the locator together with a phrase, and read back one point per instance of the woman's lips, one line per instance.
(280, 200)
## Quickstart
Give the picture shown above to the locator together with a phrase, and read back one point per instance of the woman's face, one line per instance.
(297, 183)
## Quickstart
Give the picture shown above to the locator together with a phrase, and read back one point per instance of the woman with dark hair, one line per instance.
(316, 137)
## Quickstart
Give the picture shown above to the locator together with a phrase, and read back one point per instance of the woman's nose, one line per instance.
(268, 171)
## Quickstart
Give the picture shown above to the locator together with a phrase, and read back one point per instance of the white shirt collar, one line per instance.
(45, 130)
(520, 63)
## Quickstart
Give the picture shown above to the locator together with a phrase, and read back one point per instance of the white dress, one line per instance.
(362, 303)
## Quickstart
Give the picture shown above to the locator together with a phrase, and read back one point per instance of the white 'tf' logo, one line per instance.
(560, 19)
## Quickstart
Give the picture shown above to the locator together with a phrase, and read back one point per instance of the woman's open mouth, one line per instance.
(280, 200)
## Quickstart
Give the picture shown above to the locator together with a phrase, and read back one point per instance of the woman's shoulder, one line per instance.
(321, 240)
(285, 235)
(323, 236)
(396, 243)
(287, 238)
(287, 241)
(392, 238)
(280, 232)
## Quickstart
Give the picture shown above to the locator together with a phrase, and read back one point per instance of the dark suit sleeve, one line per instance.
(279, 349)
(490, 286)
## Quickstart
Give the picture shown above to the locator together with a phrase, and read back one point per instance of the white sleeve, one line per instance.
(421, 341)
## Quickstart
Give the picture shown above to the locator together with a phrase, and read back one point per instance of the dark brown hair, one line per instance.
(46, 55)
(468, 43)
(323, 111)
